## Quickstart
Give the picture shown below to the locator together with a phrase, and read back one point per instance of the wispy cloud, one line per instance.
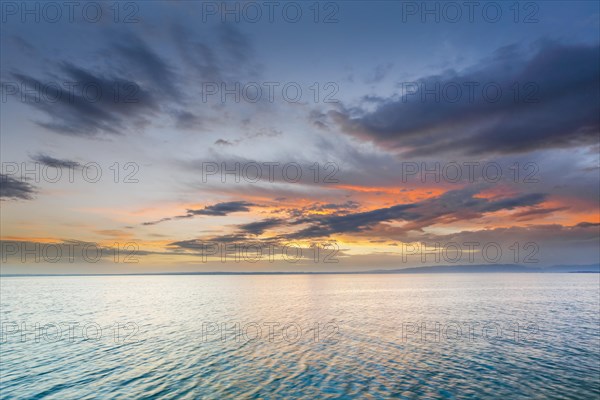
(11, 188)
(215, 210)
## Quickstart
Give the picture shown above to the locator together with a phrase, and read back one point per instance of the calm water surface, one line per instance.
(338, 336)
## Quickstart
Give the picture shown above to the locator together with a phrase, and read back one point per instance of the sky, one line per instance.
(182, 136)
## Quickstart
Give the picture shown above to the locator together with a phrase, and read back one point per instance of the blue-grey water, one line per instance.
(479, 336)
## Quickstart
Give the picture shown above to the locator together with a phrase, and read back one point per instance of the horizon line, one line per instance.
(494, 268)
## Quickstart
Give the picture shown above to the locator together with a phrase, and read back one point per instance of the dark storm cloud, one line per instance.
(158, 221)
(222, 209)
(131, 85)
(49, 161)
(246, 231)
(587, 224)
(536, 212)
(512, 202)
(328, 225)
(85, 103)
(461, 204)
(11, 188)
(257, 228)
(330, 208)
(216, 210)
(207, 245)
(348, 205)
(237, 245)
(147, 79)
(198, 244)
(557, 105)
(451, 206)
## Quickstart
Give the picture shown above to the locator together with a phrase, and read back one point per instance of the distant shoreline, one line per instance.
(487, 269)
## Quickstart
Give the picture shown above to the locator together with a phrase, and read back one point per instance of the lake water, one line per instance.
(339, 336)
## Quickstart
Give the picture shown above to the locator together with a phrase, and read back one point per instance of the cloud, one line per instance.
(83, 102)
(241, 247)
(227, 57)
(557, 105)
(462, 204)
(142, 60)
(257, 228)
(23, 45)
(222, 209)
(133, 84)
(536, 212)
(329, 208)
(348, 205)
(215, 210)
(326, 226)
(49, 161)
(237, 44)
(197, 55)
(11, 188)
(451, 206)
(261, 133)
(187, 120)
(380, 72)
(159, 221)
(587, 224)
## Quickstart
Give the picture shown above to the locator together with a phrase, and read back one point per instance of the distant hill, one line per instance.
(438, 269)
(489, 268)
(574, 268)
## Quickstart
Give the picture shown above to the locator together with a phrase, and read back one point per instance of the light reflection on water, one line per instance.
(302, 336)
